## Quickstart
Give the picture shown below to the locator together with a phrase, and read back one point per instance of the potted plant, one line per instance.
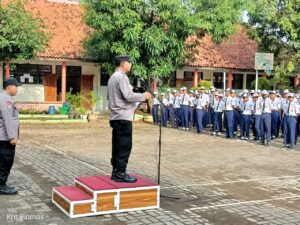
(83, 113)
(93, 98)
(74, 100)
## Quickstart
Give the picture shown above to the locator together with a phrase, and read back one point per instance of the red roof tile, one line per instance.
(64, 23)
(237, 52)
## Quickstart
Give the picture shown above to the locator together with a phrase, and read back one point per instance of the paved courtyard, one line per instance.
(204, 180)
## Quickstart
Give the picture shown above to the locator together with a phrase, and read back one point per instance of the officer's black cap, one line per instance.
(11, 81)
(122, 58)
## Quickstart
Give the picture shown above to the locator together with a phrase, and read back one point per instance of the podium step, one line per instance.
(97, 195)
(72, 201)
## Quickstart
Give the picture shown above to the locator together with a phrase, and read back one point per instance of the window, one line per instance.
(73, 78)
(104, 77)
(237, 82)
(29, 73)
(218, 80)
(189, 76)
(250, 79)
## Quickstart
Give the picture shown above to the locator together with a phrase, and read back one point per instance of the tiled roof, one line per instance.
(237, 52)
(65, 24)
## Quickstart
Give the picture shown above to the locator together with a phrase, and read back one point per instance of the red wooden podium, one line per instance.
(97, 195)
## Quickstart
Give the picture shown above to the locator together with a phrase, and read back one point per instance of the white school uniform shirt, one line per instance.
(171, 99)
(246, 108)
(192, 101)
(212, 100)
(155, 101)
(219, 106)
(275, 105)
(291, 109)
(256, 108)
(200, 103)
(177, 102)
(185, 99)
(229, 103)
(205, 98)
(165, 101)
(265, 105)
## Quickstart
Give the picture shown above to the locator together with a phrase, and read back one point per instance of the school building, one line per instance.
(62, 67)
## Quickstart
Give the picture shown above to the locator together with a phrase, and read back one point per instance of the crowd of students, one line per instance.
(265, 113)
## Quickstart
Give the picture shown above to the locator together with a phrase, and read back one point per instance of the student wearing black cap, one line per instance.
(122, 102)
(9, 133)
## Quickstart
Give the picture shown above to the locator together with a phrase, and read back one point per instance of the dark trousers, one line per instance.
(185, 115)
(7, 154)
(164, 116)
(191, 117)
(217, 122)
(275, 118)
(257, 125)
(265, 127)
(245, 128)
(229, 123)
(121, 142)
(199, 120)
(290, 130)
(155, 114)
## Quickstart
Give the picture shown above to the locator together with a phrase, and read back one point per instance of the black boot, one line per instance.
(113, 173)
(5, 190)
(122, 176)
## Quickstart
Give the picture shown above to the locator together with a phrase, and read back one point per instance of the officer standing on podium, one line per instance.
(9, 133)
(122, 102)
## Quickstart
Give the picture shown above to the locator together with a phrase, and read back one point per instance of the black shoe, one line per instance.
(6, 186)
(5, 190)
(268, 144)
(123, 177)
(113, 173)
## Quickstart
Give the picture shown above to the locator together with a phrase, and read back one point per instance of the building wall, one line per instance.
(30, 93)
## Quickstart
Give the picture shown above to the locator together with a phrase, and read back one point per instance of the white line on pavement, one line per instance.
(242, 203)
(231, 182)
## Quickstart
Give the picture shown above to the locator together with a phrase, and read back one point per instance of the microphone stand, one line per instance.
(162, 105)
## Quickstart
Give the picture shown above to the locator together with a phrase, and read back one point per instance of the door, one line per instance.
(85, 87)
(50, 85)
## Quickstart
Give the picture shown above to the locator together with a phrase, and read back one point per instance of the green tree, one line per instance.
(21, 35)
(154, 32)
(275, 25)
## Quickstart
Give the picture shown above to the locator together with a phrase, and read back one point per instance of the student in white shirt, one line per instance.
(291, 111)
(218, 107)
(265, 121)
(246, 108)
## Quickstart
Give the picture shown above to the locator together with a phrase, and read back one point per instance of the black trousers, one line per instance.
(7, 154)
(121, 142)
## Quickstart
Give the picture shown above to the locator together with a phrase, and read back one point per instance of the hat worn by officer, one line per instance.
(11, 81)
(122, 58)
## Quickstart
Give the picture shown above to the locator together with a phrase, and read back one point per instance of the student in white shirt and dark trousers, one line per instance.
(291, 111)
(184, 105)
(265, 121)
(218, 107)
(246, 107)
(256, 111)
(229, 117)
(155, 108)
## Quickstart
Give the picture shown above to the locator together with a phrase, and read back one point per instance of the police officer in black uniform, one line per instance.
(9, 133)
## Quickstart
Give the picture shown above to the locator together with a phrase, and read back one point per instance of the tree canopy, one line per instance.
(21, 35)
(275, 25)
(154, 32)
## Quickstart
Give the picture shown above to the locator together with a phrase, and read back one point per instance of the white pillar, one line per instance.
(256, 80)
(224, 81)
(244, 81)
